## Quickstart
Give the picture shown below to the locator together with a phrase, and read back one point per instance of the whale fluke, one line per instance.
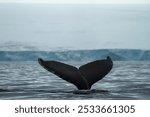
(82, 78)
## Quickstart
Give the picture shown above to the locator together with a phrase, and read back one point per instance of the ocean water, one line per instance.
(28, 80)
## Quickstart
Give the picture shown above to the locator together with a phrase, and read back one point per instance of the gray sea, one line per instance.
(28, 80)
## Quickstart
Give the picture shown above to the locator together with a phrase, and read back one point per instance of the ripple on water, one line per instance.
(28, 80)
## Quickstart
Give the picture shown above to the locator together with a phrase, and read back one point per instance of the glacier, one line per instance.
(77, 55)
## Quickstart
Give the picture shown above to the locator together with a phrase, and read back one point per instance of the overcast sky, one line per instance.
(81, 1)
(76, 26)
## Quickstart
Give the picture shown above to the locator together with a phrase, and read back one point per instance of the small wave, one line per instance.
(10, 90)
(89, 91)
(4, 90)
(56, 91)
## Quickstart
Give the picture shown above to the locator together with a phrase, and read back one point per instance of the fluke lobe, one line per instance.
(84, 76)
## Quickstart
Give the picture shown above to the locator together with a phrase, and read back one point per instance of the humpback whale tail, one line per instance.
(84, 76)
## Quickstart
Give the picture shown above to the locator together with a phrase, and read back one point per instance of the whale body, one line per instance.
(84, 76)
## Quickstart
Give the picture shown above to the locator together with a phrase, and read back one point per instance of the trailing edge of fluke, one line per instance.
(84, 76)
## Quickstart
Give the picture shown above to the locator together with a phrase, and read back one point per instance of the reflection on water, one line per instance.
(28, 80)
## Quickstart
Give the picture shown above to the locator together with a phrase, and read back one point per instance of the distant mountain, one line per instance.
(77, 55)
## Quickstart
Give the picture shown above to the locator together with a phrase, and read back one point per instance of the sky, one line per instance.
(76, 26)
(81, 1)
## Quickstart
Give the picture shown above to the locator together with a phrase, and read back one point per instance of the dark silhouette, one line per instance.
(82, 78)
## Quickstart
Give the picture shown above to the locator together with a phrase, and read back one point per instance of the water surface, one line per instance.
(28, 80)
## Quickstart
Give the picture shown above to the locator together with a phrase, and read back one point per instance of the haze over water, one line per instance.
(70, 26)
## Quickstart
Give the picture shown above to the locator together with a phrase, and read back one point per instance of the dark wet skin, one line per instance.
(84, 76)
